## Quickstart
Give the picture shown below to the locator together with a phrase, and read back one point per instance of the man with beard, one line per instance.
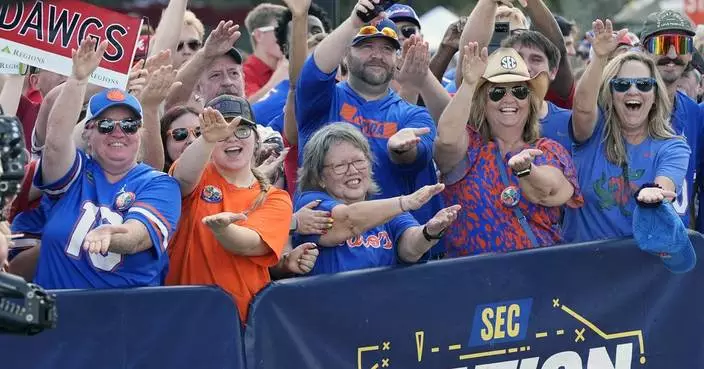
(669, 38)
(400, 134)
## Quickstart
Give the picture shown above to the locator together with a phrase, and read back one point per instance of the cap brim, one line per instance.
(681, 262)
(359, 39)
(235, 54)
(101, 111)
(406, 18)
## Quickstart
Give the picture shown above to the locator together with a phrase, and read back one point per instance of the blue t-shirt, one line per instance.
(374, 248)
(271, 104)
(277, 123)
(555, 125)
(449, 77)
(321, 100)
(82, 200)
(608, 201)
(30, 223)
(687, 121)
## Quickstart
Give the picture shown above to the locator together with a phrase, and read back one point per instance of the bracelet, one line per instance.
(400, 203)
(645, 204)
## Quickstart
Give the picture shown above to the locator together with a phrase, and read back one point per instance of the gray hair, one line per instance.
(310, 174)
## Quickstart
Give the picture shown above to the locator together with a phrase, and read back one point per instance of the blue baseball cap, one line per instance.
(109, 98)
(384, 29)
(402, 12)
(660, 231)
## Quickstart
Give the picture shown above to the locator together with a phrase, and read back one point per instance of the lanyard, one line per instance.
(516, 210)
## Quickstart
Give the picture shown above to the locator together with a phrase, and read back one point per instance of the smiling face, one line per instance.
(634, 105)
(510, 110)
(223, 77)
(235, 153)
(115, 151)
(187, 121)
(372, 61)
(346, 173)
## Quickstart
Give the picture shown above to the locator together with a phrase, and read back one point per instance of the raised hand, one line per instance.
(154, 62)
(97, 241)
(474, 63)
(161, 83)
(309, 221)
(273, 163)
(87, 58)
(419, 198)
(298, 7)
(406, 139)
(137, 79)
(221, 39)
(218, 222)
(651, 195)
(523, 159)
(452, 35)
(364, 7)
(414, 65)
(214, 128)
(603, 38)
(302, 259)
(442, 220)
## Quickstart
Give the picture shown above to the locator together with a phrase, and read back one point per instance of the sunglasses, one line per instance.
(409, 31)
(372, 30)
(192, 44)
(106, 126)
(624, 84)
(497, 93)
(660, 44)
(180, 134)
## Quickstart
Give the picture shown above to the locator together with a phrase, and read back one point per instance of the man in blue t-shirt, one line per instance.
(668, 37)
(400, 134)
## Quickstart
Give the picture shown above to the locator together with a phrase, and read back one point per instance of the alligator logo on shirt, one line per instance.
(613, 192)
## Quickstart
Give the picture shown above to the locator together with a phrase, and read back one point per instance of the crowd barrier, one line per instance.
(591, 306)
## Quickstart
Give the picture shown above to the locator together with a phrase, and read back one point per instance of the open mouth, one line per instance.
(233, 151)
(633, 105)
(508, 110)
(117, 144)
(353, 182)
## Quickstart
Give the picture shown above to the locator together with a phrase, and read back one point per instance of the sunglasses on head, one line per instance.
(106, 126)
(180, 134)
(660, 44)
(372, 30)
(194, 45)
(624, 84)
(409, 31)
(497, 93)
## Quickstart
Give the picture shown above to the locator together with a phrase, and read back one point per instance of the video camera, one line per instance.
(25, 308)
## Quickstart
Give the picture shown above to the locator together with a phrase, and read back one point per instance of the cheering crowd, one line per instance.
(330, 150)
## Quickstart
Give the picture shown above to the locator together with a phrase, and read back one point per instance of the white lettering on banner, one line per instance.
(9, 66)
(598, 359)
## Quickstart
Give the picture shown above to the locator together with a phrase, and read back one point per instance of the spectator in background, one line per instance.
(567, 28)
(337, 174)
(180, 126)
(624, 143)
(39, 82)
(406, 20)
(191, 39)
(235, 224)
(690, 84)
(109, 219)
(399, 133)
(478, 143)
(266, 67)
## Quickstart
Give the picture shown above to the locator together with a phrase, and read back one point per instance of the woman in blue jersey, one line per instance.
(108, 218)
(337, 172)
(624, 144)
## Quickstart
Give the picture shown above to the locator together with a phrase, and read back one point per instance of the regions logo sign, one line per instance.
(42, 34)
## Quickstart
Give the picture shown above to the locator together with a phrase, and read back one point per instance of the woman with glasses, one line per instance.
(625, 149)
(180, 126)
(337, 172)
(108, 218)
(510, 182)
(234, 224)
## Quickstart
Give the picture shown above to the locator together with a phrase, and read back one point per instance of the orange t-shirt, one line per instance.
(196, 256)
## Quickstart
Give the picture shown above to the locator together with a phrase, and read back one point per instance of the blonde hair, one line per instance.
(190, 19)
(261, 16)
(658, 123)
(478, 121)
(504, 13)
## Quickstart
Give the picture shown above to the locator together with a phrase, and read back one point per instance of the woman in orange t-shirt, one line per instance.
(234, 224)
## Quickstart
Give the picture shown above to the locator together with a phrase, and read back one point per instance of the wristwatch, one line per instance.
(524, 172)
(293, 226)
(430, 237)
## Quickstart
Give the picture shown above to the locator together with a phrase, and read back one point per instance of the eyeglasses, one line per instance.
(660, 44)
(192, 44)
(180, 134)
(372, 30)
(106, 126)
(243, 130)
(266, 29)
(497, 93)
(343, 168)
(409, 31)
(624, 84)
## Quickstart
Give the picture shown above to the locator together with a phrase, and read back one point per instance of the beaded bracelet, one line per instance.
(646, 204)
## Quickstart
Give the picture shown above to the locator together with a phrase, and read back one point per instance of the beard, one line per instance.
(364, 72)
(671, 76)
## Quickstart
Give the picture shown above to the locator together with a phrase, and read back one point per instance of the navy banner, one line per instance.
(591, 306)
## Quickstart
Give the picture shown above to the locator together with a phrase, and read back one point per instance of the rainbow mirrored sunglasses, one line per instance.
(372, 30)
(660, 44)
